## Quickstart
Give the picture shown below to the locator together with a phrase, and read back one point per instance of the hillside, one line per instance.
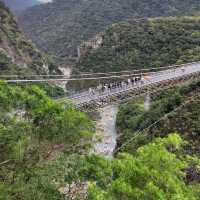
(185, 121)
(156, 164)
(45, 149)
(37, 134)
(145, 43)
(59, 27)
(53, 149)
(17, 55)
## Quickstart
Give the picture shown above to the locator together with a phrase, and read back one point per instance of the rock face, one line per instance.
(59, 27)
(106, 131)
(90, 45)
(17, 55)
(75, 190)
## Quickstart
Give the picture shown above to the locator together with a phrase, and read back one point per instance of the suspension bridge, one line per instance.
(145, 81)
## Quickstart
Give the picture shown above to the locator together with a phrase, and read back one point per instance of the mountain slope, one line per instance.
(146, 43)
(17, 55)
(36, 132)
(59, 27)
(185, 120)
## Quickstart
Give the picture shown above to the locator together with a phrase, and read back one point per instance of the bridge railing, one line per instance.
(174, 75)
(145, 72)
(122, 75)
(142, 86)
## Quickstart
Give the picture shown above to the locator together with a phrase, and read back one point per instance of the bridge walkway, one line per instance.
(153, 78)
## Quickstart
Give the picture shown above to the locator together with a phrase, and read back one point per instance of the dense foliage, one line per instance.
(58, 28)
(17, 55)
(51, 90)
(156, 171)
(133, 118)
(35, 130)
(146, 43)
(43, 142)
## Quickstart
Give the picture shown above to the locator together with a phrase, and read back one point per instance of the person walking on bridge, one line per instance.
(183, 69)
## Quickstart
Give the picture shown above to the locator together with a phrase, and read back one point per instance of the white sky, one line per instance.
(45, 1)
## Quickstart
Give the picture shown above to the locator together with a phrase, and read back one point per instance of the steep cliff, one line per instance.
(17, 55)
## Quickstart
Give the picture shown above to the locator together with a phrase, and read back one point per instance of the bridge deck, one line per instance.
(161, 76)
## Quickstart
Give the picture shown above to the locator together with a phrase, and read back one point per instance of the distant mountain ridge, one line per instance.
(59, 27)
(145, 43)
(17, 55)
(18, 5)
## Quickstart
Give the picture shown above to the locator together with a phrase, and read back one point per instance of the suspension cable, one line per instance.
(138, 70)
(82, 78)
(77, 79)
(102, 73)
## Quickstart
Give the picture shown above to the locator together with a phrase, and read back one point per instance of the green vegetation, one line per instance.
(147, 43)
(156, 171)
(35, 132)
(17, 55)
(59, 32)
(51, 90)
(45, 145)
(132, 117)
(150, 167)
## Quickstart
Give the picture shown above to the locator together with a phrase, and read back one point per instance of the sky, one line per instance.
(17, 5)
(45, 1)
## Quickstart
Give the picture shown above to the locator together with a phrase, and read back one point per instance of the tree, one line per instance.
(155, 172)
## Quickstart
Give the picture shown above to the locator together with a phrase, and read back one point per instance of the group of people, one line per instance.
(124, 84)
(108, 87)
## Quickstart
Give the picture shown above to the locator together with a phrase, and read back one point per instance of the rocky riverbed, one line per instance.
(106, 134)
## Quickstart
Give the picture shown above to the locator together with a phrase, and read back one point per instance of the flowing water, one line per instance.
(106, 134)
